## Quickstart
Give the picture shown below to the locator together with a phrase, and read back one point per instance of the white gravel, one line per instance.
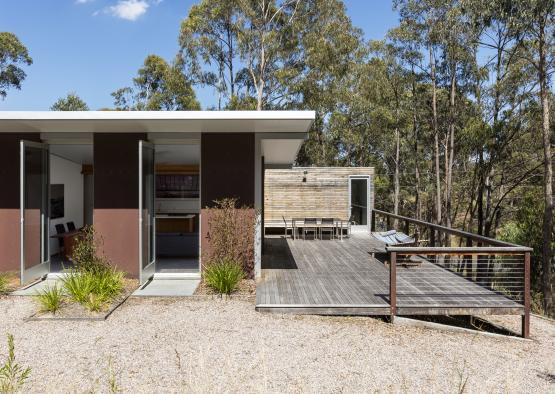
(180, 345)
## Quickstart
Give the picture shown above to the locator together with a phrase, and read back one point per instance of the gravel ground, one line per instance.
(179, 345)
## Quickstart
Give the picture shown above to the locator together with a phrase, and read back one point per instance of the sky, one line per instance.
(93, 47)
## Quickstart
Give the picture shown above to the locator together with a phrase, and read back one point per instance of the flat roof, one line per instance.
(156, 121)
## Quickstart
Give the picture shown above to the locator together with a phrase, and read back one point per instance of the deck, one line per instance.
(343, 278)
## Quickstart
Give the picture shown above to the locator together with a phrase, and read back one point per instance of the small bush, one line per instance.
(3, 283)
(78, 286)
(50, 299)
(12, 375)
(224, 275)
(85, 255)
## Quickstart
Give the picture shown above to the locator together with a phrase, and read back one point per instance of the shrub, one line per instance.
(50, 299)
(231, 234)
(86, 256)
(12, 375)
(224, 275)
(3, 283)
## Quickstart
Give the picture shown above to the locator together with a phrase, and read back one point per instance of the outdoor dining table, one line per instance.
(299, 223)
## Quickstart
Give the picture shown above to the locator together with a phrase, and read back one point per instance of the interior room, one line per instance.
(71, 199)
(177, 208)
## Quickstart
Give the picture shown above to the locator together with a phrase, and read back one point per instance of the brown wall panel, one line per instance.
(116, 167)
(9, 198)
(116, 199)
(118, 230)
(227, 168)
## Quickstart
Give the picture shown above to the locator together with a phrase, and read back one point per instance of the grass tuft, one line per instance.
(224, 275)
(50, 299)
(94, 289)
(12, 375)
(3, 283)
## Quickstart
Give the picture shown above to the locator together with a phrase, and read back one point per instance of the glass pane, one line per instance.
(35, 207)
(359, 201)
(148, 214)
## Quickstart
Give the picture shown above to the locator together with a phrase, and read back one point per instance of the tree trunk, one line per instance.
(548, 172)
(415, 134)
(450, 148)
(396, 180)
(436, 137)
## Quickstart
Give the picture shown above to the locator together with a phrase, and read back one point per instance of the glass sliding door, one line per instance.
(147, 212)
(34, 210)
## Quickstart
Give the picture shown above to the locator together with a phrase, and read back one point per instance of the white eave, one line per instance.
(156, 121)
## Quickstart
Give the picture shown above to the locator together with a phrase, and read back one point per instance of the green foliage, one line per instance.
(94, 289)
(158, 86)
(12, 54)
(223, 275)
(72, 102)
(12, 375)
(3, 283)
(93, 282)
(50, 299)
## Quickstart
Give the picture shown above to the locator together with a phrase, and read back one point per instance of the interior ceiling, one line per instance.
(178, 154)
(81, 154)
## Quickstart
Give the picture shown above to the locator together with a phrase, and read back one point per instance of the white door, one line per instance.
(147, 212)
(34, 210)
(359, 201)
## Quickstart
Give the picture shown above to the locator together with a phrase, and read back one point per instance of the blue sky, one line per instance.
(93, 47)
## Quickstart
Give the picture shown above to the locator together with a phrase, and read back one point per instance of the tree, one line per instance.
(12, 54)
(208, 36)
(72, 102)
(158, 86)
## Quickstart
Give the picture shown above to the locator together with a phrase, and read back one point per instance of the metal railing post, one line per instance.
(373, 221)
(526, 316)
(393, 285)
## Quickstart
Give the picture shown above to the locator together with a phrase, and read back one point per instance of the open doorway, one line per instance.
(177, 207)
(70, 201)
(359, 201)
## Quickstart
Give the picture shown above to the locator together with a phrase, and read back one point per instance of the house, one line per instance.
(144, 179)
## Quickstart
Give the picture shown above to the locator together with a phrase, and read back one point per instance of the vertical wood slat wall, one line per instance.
(324, 194)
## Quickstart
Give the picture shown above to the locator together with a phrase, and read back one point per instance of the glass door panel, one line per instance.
(34, 210)
(359, 201)
(147, 214)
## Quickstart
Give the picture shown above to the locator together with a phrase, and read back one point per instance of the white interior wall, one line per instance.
(68, 173)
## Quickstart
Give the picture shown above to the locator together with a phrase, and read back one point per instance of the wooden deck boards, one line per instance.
(343, 277)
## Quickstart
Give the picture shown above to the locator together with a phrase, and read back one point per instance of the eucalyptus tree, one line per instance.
(158, 86)
(71, 102)
(13, 54)
(208, 38)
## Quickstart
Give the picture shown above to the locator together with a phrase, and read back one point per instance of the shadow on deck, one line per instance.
(343, 278)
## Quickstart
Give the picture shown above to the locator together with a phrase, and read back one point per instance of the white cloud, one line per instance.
(129, 10)
(83, 1)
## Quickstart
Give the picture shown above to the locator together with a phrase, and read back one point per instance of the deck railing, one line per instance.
(483, 276)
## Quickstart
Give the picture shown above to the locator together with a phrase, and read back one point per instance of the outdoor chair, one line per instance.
(70, 226)
(286, 228)
(310, 225)
(328, 226)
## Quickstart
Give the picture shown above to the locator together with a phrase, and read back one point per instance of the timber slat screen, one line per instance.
(485, 276)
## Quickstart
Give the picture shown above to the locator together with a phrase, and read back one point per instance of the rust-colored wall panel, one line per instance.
(9, 199)
(9, 240)
(227, 168)
(119, 232)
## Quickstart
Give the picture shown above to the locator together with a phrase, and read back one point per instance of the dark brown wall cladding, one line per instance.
(116, 167)
(9, 168)
(9, 198)
(227, 168)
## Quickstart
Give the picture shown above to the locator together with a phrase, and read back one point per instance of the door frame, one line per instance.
(43, 268)
(147, 272)
(368, 199)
